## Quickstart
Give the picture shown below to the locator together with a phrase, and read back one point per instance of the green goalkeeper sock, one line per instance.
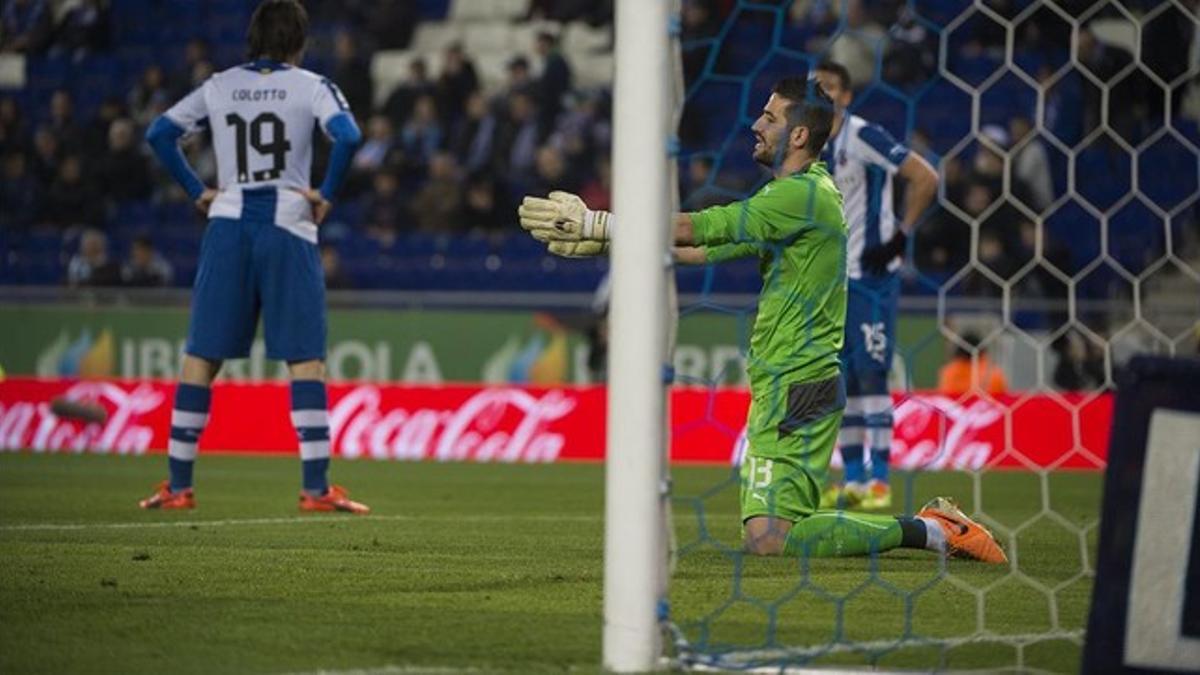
(828, 534)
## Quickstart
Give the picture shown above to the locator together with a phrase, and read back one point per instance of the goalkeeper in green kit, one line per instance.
(794, 225)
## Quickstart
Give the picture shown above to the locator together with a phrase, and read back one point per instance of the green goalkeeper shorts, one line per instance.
(790, 447)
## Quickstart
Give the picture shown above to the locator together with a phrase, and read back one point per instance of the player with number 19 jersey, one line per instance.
(262, 115)
(259, 255)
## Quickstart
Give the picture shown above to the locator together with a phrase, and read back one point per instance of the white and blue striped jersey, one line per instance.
(262, 116)
(862, 158)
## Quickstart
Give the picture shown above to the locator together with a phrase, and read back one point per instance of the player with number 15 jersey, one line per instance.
(259, 255)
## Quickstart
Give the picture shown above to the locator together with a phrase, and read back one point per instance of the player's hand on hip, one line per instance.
(877, 258)
(563, 216)
(205, 200)
(320, 205)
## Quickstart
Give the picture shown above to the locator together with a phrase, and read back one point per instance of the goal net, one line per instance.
(1061, 242)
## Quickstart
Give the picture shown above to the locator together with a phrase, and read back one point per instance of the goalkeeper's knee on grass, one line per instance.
(828, 534)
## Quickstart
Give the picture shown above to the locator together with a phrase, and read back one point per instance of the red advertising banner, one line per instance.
(538, 424)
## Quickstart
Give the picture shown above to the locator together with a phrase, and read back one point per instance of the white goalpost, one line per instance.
(635, 537)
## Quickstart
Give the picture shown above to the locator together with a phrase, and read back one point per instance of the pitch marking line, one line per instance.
(466, 518)
(313, 519)
(393, 670)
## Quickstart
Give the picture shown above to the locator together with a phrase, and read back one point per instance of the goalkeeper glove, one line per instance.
(877, 258)
(578, 249)
(563, 217)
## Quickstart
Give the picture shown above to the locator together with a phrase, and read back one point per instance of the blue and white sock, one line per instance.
(188, 420)
(310, 417)
(850, 440)
(878, 417)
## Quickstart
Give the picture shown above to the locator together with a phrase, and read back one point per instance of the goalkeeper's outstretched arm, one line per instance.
(570, 229)
(704, 255)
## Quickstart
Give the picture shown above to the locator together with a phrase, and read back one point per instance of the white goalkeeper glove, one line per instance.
(578, 249)
(563, 217)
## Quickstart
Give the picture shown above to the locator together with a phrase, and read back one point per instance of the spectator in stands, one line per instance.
(911, 54)
(195, 51)
(384, 208)
(400, 102)
(391, 22)
(1041, 282)
(197, 64)
(352, 73)
(26, 26)
(987, 167)
(992, 255)
(331, 266)
(12, 127)
(18, 193)
(378, 151)
(456, 82)
(700, 22)
(988, 36)
(201, 158)
(700, 189)
(1031, 165)
(1104, 61)
(517, 141)
(1053, 250)
(475, 135)
(71, 200)
(91, 266)
(598, 188)
(149, 96)
(1080, 364)
(46, 156)
(921, 143)
(146, 266)
(122, 173)
(977, 198)
(855, 48)
(482, 207)
(83, 29)
(422, 134)
(584, 130)
(63, 122)
(964, 374)
(96, 133)
(201, 71)
(519, 80)
(436, 205)
(551, 172)
(554, 81)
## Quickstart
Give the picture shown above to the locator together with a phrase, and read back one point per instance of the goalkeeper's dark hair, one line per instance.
(840, 71)
(278, 30)
(808, 106)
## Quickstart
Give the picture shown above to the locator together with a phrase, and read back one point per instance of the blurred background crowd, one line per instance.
(465, 106)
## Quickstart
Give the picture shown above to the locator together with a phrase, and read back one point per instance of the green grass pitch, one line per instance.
(490, 567)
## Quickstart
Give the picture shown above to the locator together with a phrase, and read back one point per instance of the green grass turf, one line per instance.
(494, 567)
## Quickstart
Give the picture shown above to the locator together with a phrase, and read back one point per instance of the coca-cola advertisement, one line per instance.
(530, 424)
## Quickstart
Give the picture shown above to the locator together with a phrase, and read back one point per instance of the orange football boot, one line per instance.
(163, 498)
(965, 538)
(335, 499)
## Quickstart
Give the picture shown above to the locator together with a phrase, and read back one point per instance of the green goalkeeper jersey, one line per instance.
(795, 226)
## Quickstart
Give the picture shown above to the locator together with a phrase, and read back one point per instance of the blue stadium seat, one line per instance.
(435, 10)
(134, 213)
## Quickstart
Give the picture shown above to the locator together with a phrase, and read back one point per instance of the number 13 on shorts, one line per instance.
(760, 472)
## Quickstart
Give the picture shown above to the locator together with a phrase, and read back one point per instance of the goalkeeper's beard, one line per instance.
(764, 152)
(768, 154)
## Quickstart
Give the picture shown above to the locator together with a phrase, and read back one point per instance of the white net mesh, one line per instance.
(1062, 242)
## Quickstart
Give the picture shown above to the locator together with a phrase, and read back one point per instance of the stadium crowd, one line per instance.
(443, 155)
